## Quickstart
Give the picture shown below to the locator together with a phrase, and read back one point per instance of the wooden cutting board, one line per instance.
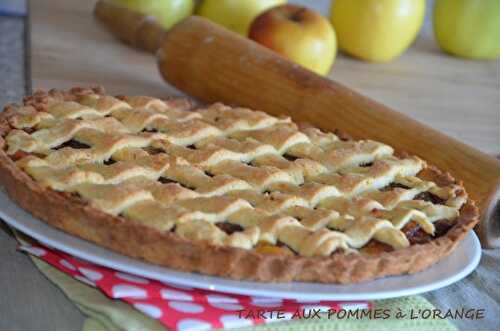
(461, 98)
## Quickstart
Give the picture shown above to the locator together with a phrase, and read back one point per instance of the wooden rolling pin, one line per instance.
(212, 64)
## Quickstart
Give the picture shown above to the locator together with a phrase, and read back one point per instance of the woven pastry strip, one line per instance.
(201, 172)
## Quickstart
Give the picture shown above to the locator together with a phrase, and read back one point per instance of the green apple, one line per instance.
(468, 28)
(299, 34)
(236, 15)
(167, 12)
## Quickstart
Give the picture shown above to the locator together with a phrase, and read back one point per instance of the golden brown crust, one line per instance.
(73, 215)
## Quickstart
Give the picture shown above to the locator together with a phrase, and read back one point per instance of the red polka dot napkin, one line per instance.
(183, 308)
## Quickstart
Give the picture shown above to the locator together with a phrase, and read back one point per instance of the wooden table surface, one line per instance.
(456, 96)
(69, 48)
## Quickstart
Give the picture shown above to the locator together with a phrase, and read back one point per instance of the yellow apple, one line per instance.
(299, 34)
(377, 30)
(236, 15)
(167, 12)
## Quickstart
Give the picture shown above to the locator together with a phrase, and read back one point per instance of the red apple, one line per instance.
(299, 34)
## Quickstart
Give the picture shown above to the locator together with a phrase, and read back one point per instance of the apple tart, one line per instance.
(227, 191)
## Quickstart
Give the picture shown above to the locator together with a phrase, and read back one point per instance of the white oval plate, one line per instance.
(455, 267)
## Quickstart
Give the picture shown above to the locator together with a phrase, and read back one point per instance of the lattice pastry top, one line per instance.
(229, 176)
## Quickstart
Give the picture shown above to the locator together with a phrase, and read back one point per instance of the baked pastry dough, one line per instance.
(238, 187)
